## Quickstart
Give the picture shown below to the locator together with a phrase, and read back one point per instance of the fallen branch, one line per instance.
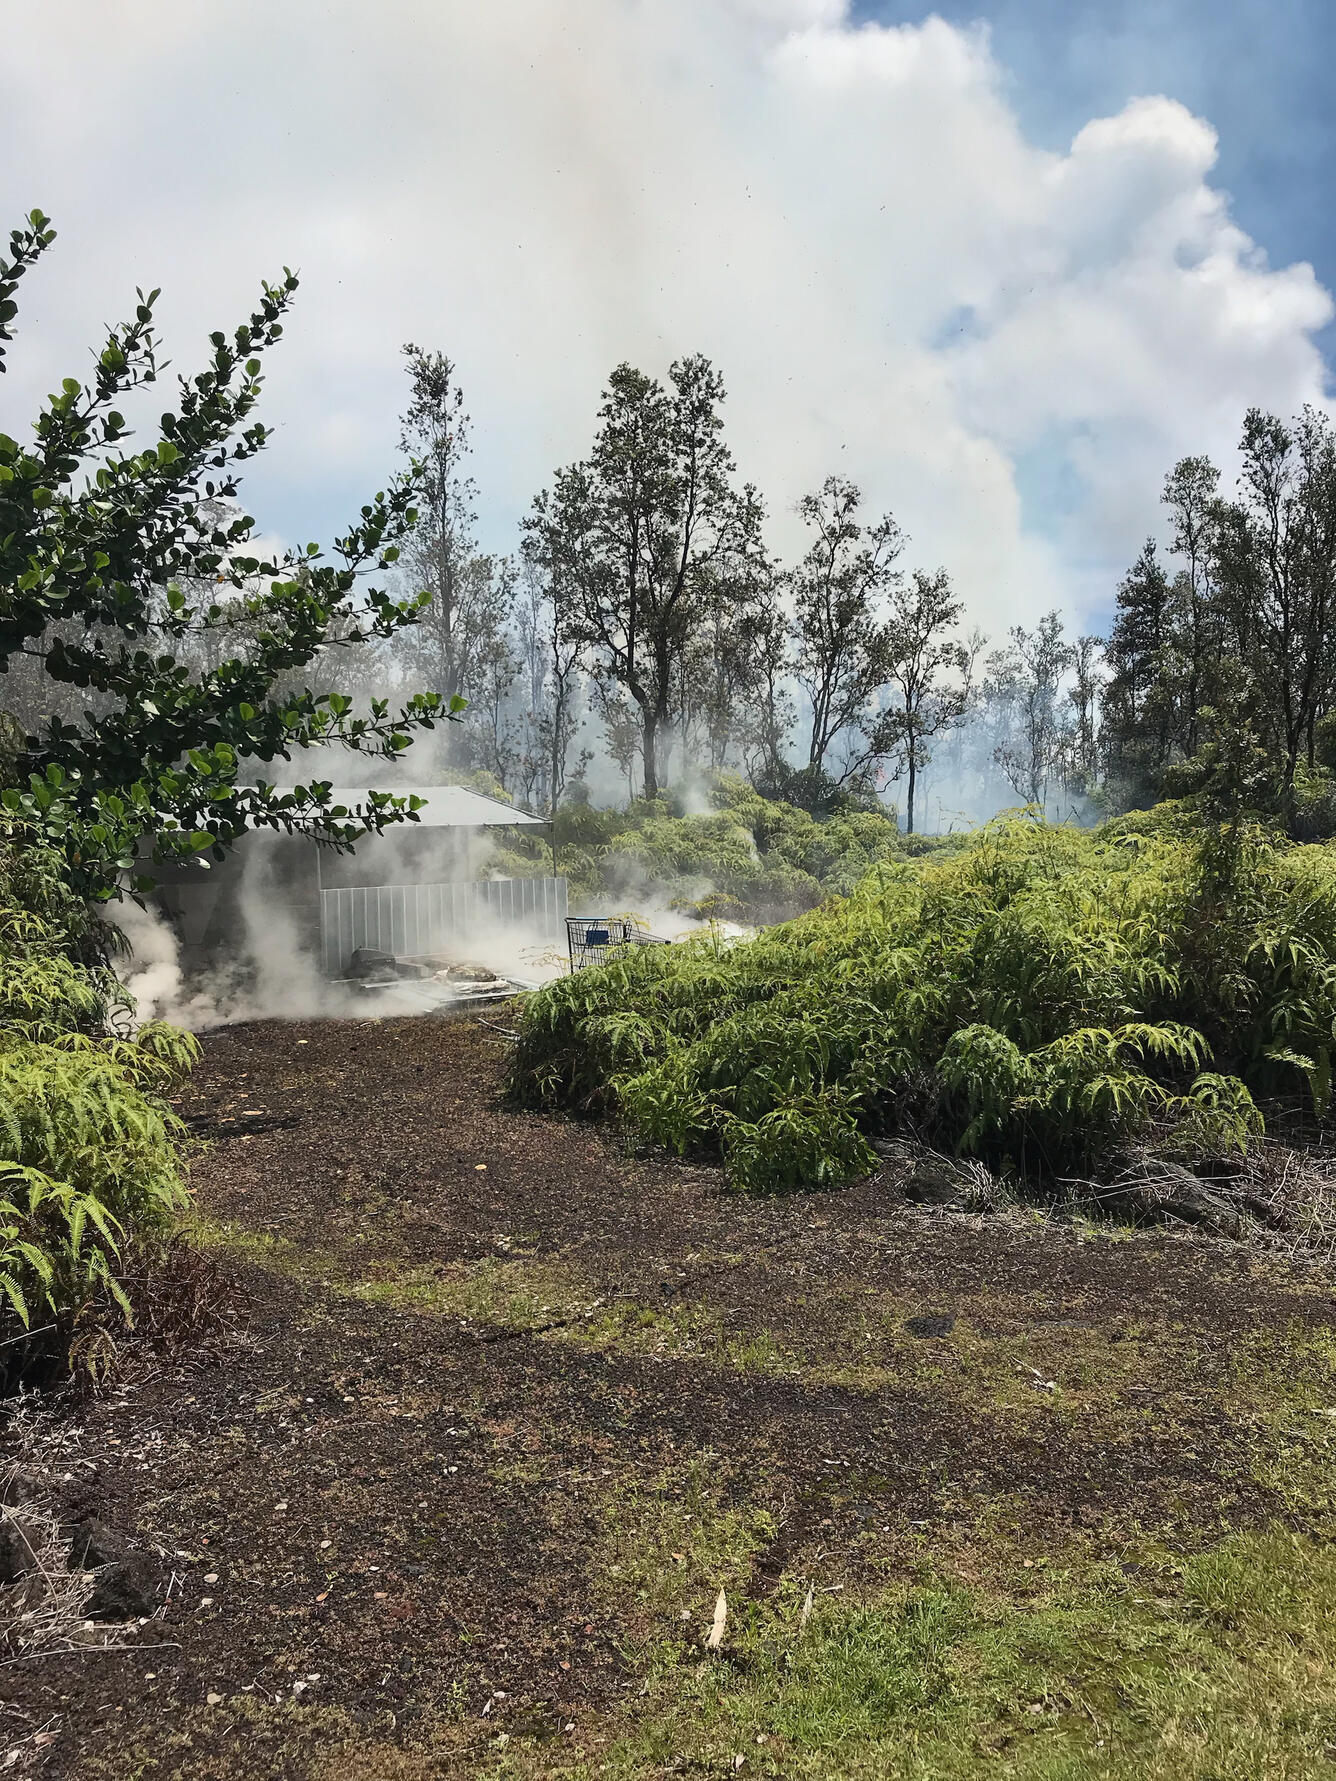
(87, 1650)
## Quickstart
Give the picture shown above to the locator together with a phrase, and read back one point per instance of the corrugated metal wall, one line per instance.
(409, 919)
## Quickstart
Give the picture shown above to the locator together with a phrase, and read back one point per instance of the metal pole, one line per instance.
(320, 909)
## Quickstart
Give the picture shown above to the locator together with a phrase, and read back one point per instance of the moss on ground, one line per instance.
(512, 1292)
(680, 1329)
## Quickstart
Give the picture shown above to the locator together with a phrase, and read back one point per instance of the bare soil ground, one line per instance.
(513, 1404)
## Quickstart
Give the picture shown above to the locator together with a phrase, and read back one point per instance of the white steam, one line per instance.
(267, 971)
(1005, 345)
(267, 976)
(151, 970)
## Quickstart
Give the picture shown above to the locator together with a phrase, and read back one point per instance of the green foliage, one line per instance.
(1166, 1669)
(1037, 996)
(112, 558)
(89, 1153)
(810, 1141)
(1312, 816)
(1221, 677)
(750, 859)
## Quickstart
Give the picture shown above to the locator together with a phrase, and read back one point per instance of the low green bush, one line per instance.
(1036, 995)
(1313, 813)
(90, 1155)
(750, 859)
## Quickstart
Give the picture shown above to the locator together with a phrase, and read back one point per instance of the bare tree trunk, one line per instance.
(651, 751)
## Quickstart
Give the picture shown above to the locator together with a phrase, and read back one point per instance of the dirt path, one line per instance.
(515, 1405)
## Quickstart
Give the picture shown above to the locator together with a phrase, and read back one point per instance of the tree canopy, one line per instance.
(646, 535)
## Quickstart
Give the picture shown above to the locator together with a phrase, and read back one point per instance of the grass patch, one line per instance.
(518, 1293)
(1283, 1385)
(670, 1548)
(1223, 1665)
(995, 1647)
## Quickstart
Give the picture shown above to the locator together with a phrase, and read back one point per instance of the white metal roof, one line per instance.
(444, 806)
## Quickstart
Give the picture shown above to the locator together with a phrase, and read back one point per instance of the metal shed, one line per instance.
(417, 888)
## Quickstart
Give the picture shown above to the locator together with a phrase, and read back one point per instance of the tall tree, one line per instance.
(768, 719)
(458, 646)
(1277, 560)
(554, 693)
(102, 551)
(640, 533)
(494, 733)
(1082, 766)
(725, 664)
(1191, 493)
(928, 672)
(623, 735)
(1028, 676)
(1140, 709)
(843, 650)
(1244, 628)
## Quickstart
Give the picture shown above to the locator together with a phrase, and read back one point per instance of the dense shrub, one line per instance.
(1036, 996)
(1312, 815)
(89, 1155)
(748, 859)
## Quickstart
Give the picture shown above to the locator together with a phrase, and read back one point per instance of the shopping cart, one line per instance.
(592, 939)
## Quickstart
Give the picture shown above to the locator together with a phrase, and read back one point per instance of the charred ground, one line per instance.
(513, 1405)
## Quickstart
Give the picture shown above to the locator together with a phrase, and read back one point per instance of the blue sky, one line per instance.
(1263, 72)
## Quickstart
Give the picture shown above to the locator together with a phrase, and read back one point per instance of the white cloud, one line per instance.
(849, 219)
(790, 15)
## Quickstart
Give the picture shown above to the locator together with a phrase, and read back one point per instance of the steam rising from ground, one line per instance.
(271, 973)
(270, 976)
(151, 971)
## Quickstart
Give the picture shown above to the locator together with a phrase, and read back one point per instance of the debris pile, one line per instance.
(67, 1582)
(433, 979)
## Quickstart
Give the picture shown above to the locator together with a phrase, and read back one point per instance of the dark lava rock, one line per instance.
(17, 1558)
(126, 1581)
(1160, 1190)
(93, 1544)
(1204, 1206)
(895, 1150)
(125, 1590)
(938, 1324)
(937, 1181)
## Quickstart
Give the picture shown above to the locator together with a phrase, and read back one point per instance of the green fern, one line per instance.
(90, 1155)
(1035, 996)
